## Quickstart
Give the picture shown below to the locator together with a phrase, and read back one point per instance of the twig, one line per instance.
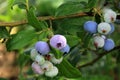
(97, 58)
(13, 24)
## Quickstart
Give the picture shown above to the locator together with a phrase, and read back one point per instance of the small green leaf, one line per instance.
(92, 3)
(32, 20)
(20, 40)
(21, 3)
(67, 70)
(56, 52)
(10, 3)
(70, 7)
(4, 33)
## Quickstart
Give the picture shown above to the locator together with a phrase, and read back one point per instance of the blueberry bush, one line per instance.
(63, 39)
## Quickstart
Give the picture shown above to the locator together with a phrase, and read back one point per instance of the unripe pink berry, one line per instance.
(36, 68)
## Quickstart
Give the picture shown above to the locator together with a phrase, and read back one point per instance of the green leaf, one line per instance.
(20, 40)
(75, 55)
(45, 34)
(71, 7)
(71, 26)
(67, 70)
(23, 60)
(72, 40)
(21, 3)
(58, 54)
(32, 20)
(4, 33)
(10, 3)
(86, 39)
(92, 3)
(97, 18)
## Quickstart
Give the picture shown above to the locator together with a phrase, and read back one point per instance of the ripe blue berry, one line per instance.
(109, 44)
(112, 28)
(66, 49)
(90, 26)
(42, 47)
(58, 41)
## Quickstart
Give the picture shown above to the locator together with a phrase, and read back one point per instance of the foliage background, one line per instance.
(21, 38)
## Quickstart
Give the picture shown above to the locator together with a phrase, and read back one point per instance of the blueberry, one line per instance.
(58, 41)
(52, 73)
(104, 28)
(39, 59)
(112, 28)
(66, 49)
(47, 66)
(33, 54)
(109, 45)
(54, 60)
(36, 68)
(42, 47)
(90, 26)
(109, 15)
(98, 41)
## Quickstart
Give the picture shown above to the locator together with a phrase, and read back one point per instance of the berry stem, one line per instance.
(98, 57)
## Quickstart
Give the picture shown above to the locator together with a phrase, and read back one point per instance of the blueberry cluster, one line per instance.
(101, 30)
(44, 60)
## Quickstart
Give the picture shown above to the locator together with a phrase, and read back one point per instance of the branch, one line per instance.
(99, 57)
(12, 24)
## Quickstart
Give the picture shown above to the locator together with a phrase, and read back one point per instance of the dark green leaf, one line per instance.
(20, 40)
(72, 40)
(92, 3)
(4, 33)
(32, 20)
(23, 60)
(67, 70)
(70, 7)
(75, 55)
(71, 26)
(86, 39)
(97, 18)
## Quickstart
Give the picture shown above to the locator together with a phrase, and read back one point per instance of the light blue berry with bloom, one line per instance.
(90, 26)
(42, 47)
(66, 49)
(112, 28)
(109, 44)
